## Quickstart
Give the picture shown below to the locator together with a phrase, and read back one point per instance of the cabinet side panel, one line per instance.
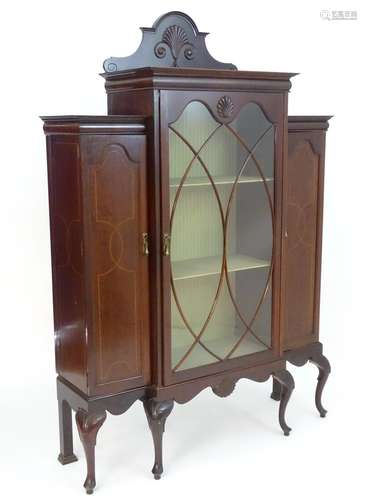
(115, 171)
(67, 262)
(304, 182)
(130, 102)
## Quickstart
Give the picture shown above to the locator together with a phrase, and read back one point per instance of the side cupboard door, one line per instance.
(303, 234)
(221, 184)
(116, 255)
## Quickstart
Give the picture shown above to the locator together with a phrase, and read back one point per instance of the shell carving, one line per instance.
(175, 38)
(224, 388)
(225, 107)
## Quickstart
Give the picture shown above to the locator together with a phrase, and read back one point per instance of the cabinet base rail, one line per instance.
(158, 404)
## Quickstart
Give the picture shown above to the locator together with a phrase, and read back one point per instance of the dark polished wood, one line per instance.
(90, 414)
(64, 179)
(220, 383)
(172, 104)
(146, 101)
(224, 388)
(313, 354)
(98, 214)
(299, 123)
(115, 189)
(277, 390)
(174, 40)
(286, 382)
(97, 124)
(303, 229)
(196, 79)
(66, 455)
(109, 208)
(158, 407)
(88, 426)
(323, 365)
(116, 404)
(157, 413)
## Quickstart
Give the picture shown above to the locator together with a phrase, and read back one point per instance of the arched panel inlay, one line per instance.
(115, 225)
(301, 243)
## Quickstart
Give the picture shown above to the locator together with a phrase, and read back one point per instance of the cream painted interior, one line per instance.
(197, 234)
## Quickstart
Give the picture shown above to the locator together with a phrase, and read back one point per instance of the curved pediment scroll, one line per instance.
(173, 41)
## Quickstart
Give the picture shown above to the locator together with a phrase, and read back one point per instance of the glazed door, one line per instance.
(221, 192)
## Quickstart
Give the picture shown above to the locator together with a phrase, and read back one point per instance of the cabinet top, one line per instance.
(197, 78)
(310, 122)
(84, 124)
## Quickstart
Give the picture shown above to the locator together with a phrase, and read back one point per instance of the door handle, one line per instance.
(145, 243)
(166, 247)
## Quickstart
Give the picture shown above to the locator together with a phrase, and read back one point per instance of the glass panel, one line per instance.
(221, 198)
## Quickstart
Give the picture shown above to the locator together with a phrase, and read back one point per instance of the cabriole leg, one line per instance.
(286, 382)
(66, 455)
(88, 427)
(157, 413)
(323, 365)
(277, 390)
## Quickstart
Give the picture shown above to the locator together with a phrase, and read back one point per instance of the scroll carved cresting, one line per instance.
(173, 41)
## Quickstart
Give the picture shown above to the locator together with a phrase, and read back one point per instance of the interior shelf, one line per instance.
(206, 266)
(220, 346)
(204, 181)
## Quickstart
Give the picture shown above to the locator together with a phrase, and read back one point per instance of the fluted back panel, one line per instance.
(221, 200)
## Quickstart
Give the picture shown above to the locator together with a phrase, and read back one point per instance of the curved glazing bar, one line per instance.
(222, 235)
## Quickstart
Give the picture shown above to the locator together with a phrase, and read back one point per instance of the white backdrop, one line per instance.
(52, 53)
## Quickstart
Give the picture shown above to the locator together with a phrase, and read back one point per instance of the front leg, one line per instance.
(313, 354)
(157, 413)
(88, 427)
(323, 365)
(285, 389)
(277, 390)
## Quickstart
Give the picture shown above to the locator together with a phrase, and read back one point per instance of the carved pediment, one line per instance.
(173, 41)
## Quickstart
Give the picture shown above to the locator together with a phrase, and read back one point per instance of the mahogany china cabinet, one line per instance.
(186, 232)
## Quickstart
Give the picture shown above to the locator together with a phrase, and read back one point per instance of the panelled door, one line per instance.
(117, 256)
(302, 248)
(221, 184)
